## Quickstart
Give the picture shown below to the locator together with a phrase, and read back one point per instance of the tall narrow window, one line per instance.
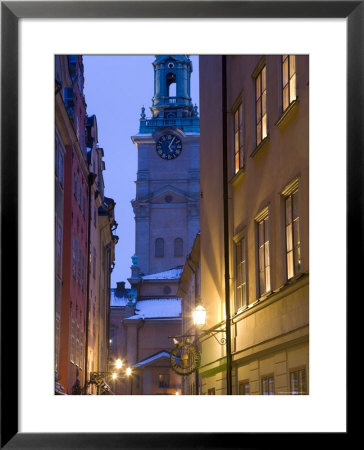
(261, 105)
(59, 250)
(241, 299)
(268, 385)
(292, 230)
(244, 388)
(288, 80)
(264, 252)
(74, 256)
(298, 382)
(164, 380)
(178, 247)
(238, 139)
(159, 247)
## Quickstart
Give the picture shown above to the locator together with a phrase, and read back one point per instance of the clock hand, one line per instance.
(169, 146)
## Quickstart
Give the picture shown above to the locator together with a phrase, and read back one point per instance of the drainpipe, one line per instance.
(226, 229)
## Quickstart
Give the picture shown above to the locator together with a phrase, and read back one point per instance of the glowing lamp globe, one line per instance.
(199, 315)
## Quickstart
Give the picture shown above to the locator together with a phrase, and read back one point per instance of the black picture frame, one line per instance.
(11, 12)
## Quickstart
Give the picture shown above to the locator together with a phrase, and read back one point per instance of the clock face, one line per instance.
(169, 146)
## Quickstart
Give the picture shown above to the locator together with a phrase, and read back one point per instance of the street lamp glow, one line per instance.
(199, 315)
(118, 363)
(128, 372)
(114, 376)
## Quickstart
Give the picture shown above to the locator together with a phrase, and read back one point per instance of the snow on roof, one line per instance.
(152, 358)
(117, 301)
(172, 274)
(158, 308)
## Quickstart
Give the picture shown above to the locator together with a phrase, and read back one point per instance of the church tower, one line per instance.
(166, 206)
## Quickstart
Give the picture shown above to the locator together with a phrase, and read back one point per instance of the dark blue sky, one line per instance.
(116, 87)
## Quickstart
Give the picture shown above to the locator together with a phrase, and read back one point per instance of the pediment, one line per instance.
(170, 194)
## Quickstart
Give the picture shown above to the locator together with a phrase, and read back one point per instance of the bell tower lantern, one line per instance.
(172, 75)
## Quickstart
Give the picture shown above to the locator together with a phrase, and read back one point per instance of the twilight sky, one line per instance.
(116, 87)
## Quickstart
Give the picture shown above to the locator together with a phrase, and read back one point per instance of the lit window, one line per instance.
(159, 247)
(264, 252)
(178, 247)
(288, 80)
(261, 105)
(238, 139)
(268, 385)
(298, 382)
(163, 380)
(244, 388)
(292, 230)
(241, 299)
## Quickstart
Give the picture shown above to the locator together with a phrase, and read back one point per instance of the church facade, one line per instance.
(167, 219)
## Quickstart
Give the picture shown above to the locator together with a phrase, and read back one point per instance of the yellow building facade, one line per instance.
(254, 156)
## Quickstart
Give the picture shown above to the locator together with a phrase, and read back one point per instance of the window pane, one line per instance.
(237, 162)
(240, 115)
(292, 89)
(264, 82)
(288, 210)
(261, 233)
(296, 232)
(259, 133)
(285, 73)
(295, 204)
(264, 126)
(261, 282)
(292, 64)
(264, 102)
(289, 240)
(285, 98)
(236, 142)
(244, 301)
(236, 120)
(267, 279)
(290, 270)
(261, 258)
(257, 86)
(259, 109)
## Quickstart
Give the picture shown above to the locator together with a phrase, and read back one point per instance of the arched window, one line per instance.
(178, 247)
(171, 84)
(159, 247)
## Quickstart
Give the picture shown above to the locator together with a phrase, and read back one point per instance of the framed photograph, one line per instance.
(331, 33)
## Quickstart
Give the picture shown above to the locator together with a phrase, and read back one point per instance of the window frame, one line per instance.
(297, 370)
(267, 377)
(244, 383)
(178, 247)
(258, 78)
(159, 251)
(238, 239)
(290, 76)
(263, 250)
(294, 247)
(164, 385)
(238, 134)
